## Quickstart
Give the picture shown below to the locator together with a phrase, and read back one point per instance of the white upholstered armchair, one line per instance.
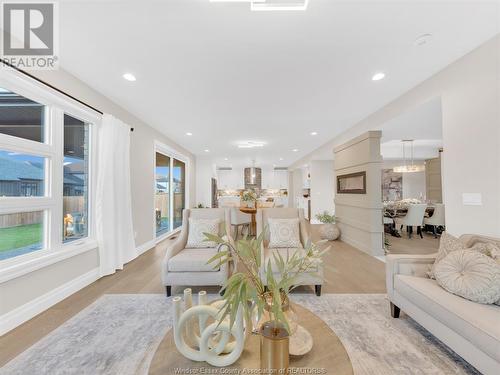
(188, 266)
(262, 218)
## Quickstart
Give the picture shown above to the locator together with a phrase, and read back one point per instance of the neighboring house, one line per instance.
(162, 185)
(25, 179)
(20, 178)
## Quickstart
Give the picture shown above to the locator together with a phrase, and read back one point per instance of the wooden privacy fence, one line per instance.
(71, 205)
(162, 202)
(22, 218)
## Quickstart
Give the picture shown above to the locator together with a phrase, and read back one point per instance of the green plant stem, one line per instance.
(254, 279)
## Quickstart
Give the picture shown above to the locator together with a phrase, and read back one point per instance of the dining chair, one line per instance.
(414, 217)
(437, 218)
(240, 219)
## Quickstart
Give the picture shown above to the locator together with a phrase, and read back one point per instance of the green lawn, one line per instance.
(20, 236)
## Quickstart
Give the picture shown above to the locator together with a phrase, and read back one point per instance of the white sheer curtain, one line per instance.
(115, 233)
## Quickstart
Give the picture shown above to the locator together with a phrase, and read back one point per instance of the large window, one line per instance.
(76, 169)
(45, 145)
(21, 117)
(170, 191)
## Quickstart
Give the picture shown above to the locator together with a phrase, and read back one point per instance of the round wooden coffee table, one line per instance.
(328, 355)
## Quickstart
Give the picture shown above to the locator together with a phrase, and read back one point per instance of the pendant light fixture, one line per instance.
(408, 168)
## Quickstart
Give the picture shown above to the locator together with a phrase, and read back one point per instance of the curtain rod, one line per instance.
(52, 87)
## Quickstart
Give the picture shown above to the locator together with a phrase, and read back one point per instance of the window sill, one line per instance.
(22, 265)
(168, 235)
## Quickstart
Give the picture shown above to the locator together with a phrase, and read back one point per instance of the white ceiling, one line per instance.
(227, 74)
(423, 124)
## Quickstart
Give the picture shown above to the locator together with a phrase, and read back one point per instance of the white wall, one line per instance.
(469, 91)
(322, 187)
(413, 183)
(24, 296)
(359, 216)
(205, 171)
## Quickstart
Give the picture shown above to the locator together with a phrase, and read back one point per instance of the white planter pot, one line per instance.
(329, 232)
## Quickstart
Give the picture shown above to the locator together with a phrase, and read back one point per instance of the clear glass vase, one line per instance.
(266, 315)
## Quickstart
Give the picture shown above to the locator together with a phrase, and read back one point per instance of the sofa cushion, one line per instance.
(470, 275)
(197, 229)
(284, 233)
(449, 244)
(478, 323)
(192, 260)
(285, 253)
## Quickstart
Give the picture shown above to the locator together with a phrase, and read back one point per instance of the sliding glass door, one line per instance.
(162, 194)
(170, 192)
(178, 184)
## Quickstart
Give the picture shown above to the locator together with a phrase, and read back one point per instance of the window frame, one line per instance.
(172, 154)
(52, 149)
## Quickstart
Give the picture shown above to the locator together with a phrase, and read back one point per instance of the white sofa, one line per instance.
(262, 216)
(188, 267)
(471, 329)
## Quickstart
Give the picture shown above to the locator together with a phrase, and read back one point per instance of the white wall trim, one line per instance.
(21, 314)
(355, 243)
(168, 235)
(141, 249)
(42, 258)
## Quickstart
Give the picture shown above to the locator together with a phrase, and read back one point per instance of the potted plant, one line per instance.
(328, 230)
(249, 197)
(263, 298)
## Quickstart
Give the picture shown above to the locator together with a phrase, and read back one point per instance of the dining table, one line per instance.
(252, 211)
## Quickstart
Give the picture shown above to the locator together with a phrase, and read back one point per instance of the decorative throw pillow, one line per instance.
(197, 228)
(284, 233)
(449, 244)
(471, 275)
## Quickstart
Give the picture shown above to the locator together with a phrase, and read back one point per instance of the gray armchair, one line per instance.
(262, 217)
(188, 267)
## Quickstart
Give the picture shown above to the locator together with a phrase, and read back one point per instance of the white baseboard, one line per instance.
(145, 247)
(23, 313)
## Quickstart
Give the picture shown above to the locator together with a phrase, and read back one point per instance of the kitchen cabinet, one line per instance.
(280, 179)
(239, 178)
(224, 179)
(267, 178)
(230, 179)
(234, 179)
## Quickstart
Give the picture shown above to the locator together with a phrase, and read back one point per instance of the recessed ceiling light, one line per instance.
(423, 39)
(295, 150)
(281, 159)
(207, 150)
(378, 76)
(251, 144)
(189, 133)
(129, 77)
(278, 5)
(226, 159)
(314, 133)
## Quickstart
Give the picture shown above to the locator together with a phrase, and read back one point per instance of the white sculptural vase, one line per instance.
(329, 232)
(212, 343)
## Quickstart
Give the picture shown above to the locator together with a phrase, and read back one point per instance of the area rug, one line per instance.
(118, 334)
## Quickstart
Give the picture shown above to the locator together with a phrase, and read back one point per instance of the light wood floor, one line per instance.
(415, 245)
(347, 270)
